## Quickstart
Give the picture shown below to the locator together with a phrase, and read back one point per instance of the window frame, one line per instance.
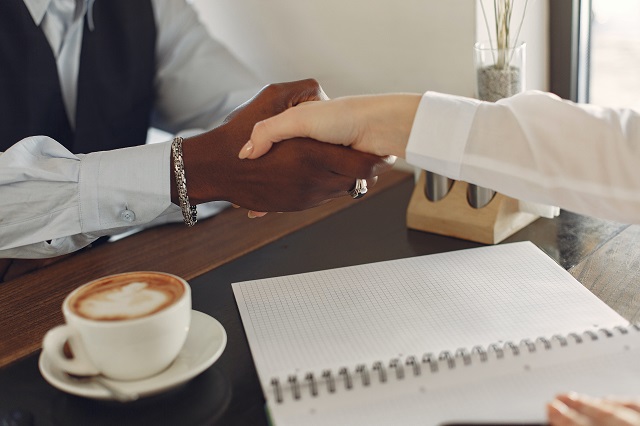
(569, 48)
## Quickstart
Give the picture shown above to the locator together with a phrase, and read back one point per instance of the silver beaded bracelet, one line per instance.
(189, 212)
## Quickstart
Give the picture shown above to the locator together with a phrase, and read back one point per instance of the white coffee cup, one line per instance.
(126, 326)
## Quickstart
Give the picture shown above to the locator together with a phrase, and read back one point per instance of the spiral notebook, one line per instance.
(475, 336)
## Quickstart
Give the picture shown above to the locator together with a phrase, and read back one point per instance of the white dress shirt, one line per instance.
(62, 25)
(536, 147)
(52, 201)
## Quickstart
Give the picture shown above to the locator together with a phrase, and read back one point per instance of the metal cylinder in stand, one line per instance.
(436, 186)
(478, 196)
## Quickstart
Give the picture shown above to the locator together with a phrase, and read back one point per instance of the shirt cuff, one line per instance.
(124, 187)
(440, 133)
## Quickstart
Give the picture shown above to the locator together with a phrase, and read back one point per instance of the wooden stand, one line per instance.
(453, 216)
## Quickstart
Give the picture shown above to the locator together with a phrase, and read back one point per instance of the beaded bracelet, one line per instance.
(189, 212)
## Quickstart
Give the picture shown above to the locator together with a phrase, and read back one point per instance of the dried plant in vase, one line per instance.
(500, 63)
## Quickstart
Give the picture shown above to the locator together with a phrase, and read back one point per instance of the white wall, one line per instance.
(369, 46)
(535, 32)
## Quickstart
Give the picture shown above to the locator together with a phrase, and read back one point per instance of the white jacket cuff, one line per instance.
(440, 133)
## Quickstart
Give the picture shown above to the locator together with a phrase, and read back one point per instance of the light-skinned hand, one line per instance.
(573, 409)
(377, 124)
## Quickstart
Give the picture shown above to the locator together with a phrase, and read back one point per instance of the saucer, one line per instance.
(205, 343)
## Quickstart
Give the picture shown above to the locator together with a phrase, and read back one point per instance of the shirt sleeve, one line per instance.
(54, 202)
(535, 147)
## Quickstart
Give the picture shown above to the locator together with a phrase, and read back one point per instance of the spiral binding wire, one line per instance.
(430, 363)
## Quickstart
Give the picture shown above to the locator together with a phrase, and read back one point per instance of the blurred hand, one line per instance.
(377, 124)
(580, 410)
(297, 175)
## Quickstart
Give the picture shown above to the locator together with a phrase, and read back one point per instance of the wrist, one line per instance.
(202, 166)
(189, 212)
(407, 108)
(389, 120)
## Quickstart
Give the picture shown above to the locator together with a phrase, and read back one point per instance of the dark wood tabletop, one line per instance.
(229, 248)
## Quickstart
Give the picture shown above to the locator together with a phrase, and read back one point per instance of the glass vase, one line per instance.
(500, 73)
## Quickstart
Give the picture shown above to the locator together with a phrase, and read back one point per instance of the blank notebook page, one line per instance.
(375, 312)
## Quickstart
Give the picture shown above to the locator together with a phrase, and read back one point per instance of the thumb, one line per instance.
(249, 150)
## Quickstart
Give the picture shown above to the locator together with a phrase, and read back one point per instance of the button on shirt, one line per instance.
(52, 201)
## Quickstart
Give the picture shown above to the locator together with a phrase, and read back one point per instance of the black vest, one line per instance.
(115, 80)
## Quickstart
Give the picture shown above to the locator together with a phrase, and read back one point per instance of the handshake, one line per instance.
(297, 174)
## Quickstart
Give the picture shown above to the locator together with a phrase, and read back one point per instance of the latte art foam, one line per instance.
(122, 298)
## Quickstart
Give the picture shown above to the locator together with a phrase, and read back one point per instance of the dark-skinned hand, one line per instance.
(296, 175)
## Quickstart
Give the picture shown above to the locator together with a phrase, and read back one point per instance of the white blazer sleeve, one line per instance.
(535, 147)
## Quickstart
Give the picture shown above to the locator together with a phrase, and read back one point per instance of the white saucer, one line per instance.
(204, 345)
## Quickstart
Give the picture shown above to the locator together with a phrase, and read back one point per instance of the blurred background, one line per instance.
(615, 53)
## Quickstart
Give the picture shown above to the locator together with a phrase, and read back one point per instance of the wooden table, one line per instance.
(228, 248)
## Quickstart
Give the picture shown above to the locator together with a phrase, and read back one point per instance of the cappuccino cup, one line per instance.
(127, 326)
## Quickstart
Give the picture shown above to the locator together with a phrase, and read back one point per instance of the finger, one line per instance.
(561, 415)
(253, 214)
(372, 182)
(356, 164)
(305, 91)
(601, 411)
(247, 149)
(322, 96)
(631, 403)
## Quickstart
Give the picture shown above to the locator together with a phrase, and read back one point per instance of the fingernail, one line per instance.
(574, 396)
(250, 215)
(577, 398)
(559, 406)
(246, 150)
